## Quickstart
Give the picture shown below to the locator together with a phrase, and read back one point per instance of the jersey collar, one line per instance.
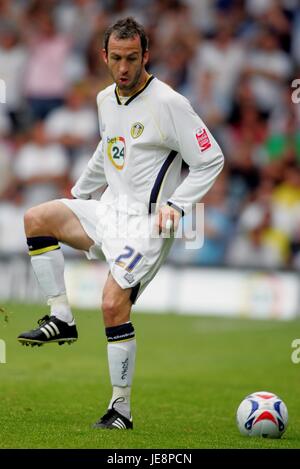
(131, 98)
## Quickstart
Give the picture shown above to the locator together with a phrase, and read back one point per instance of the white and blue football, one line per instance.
(262, 414)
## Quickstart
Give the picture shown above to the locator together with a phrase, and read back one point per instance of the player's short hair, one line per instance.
(125, 29)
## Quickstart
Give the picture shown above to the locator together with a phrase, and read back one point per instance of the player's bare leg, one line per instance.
(45, 226)
(116, 303)
(121, 347)
(57, 220)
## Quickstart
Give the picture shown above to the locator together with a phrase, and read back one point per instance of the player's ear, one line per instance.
(145, 57)
(104, 55)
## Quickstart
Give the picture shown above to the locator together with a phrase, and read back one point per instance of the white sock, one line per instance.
(49, 271)
(121, 361)
(122, 394)
(60, 308)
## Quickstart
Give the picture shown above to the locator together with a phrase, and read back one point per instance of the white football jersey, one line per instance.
(145, 137)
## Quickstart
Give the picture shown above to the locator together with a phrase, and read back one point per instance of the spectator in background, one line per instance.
(173, 66)
(285, 146)
(5, 123)
(13, 55)
(174, 42)
(283, 141)
(191, 232)
(244, 175)
(41, 168)
(46, 79)
(78, 19)
(217, 226)
(203, 14)
(74, 124)
(11, 203)
(10, 10)
(268, 67)
(247, 122)
(286, 200)
(277, 18)
(222, 57)
(6, 169)
(11, 223)
(257, 242)
(296, 38)
(208, 101)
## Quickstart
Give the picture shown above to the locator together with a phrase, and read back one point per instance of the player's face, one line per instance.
(126, 63)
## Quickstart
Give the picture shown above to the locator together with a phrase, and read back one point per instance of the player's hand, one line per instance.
(78, 195)
(167, 219)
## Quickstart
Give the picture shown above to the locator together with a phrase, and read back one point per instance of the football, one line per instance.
(262, 414)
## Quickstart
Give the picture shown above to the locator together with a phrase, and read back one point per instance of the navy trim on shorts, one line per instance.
(134, 293)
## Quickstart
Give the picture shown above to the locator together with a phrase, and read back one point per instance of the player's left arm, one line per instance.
(198, 148)
(92, 178)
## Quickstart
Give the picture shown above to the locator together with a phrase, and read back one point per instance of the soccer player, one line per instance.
(147, 129)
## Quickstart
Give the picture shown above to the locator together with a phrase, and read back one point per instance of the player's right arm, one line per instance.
(93, 177)
(189, 136)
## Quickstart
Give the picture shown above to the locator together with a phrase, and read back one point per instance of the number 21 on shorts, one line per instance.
(128, 259)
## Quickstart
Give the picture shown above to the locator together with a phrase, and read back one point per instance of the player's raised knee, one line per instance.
(37, 220)
(32, 220)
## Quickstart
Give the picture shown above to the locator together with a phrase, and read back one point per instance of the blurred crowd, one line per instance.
(234, 60)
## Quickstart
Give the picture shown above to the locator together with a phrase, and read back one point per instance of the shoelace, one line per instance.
(110, 412)
(43, 320)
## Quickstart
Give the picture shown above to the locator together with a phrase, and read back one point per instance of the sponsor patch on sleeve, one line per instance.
(203, 139)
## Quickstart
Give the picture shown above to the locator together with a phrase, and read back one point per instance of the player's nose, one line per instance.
(123, 67)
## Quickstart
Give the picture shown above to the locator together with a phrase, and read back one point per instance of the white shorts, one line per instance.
(133, 251)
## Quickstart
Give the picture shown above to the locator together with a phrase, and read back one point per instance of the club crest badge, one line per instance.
(136, 130)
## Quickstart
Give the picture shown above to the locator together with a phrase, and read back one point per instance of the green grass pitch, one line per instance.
(191, 374)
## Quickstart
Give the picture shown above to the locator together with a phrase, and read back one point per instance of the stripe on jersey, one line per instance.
(131, 98)
(117, 96)
(159, 180)
(139, 91)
